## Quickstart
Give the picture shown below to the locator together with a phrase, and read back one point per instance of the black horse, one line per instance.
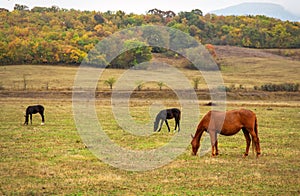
(167, 114)
(33, 110)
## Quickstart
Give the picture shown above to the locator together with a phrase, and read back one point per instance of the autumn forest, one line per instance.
(55, 35)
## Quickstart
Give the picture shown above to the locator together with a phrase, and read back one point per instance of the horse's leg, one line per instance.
(26, 120)
(248, 141)
(255, 141)
(216, 145)
(213, 139)
(161, 123)
(43, 119)
(30, 119)
(177, 124)
(167, 124)
(257, 146)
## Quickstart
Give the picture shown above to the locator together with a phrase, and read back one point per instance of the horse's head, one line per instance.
(195, 149)
(26, 120)
(195, 145)
(156, 122)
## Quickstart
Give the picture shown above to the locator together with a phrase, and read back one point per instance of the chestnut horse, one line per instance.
(227, 123)
(33, 110)
(163, 115)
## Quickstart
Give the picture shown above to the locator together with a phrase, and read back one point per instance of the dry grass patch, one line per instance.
(52, 159)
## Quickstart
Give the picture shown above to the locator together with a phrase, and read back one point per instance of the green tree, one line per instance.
(135, 52)
(110, 82)
(21, 7)
(160, 85)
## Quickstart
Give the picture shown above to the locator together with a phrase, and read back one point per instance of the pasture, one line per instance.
(240, 67)
(52, 159)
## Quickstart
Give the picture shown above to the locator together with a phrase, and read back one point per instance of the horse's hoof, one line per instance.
(42, 123)
(258, 155)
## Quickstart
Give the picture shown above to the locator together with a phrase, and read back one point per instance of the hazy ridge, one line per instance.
(267, 9)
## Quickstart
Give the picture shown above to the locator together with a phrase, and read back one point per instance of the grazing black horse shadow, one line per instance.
(33, 110)
(164, 115)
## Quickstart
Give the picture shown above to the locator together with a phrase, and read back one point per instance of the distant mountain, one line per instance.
(267, 9)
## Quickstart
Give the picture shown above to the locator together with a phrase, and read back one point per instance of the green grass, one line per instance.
(52, 159)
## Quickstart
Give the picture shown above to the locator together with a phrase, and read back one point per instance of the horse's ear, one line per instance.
(192, 136)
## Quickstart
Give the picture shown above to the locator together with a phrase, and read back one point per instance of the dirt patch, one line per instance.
(234, 51)
(155, 94)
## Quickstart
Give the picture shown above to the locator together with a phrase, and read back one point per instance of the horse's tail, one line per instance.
(256, 133)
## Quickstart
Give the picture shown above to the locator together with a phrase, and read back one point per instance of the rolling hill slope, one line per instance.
(267, 9)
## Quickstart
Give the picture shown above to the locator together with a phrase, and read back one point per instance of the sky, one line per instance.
(142, 6)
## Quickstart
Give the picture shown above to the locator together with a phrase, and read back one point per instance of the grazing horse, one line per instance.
(163, 115)
(227, 123)
(33, 110)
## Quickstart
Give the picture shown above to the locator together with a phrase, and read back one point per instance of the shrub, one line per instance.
(110, 82)
(224, 88)
(288, 87)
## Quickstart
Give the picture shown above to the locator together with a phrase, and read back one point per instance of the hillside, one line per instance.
(59, 36)
(267, 9)
(234, 51)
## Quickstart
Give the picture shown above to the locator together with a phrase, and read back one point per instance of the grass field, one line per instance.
(240, 68)
(53, 159)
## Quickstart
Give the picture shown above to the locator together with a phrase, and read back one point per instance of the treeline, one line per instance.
(60, 36)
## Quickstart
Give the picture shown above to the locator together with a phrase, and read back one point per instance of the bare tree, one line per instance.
(196, 82)
(24, 82)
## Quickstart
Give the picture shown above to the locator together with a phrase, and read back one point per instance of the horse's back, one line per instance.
(229, 121)
(176, 110)
(170, 113)
(41, 108)
(243, 115)
(248, 117)
(241, 118)
(35, 109)
(238, 112)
